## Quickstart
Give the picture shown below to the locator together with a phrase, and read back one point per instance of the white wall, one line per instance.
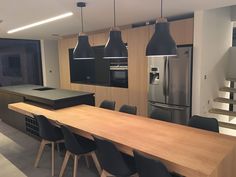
(50, 63)
(233, 13)
(232, 63)
(212, 40)
(232, 67)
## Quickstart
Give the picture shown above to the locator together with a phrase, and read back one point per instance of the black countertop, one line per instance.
(52, 94)
(53, 97)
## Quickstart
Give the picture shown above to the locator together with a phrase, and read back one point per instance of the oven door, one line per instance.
(119, 78)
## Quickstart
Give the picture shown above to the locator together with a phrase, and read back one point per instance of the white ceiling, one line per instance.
(98, 14)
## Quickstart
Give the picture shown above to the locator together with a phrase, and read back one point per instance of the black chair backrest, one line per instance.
(110, 158)
(210, 124)
(71, 143)
(128, 109)
(161, 115)
(106, 104)
(147, 167)
(46, 129)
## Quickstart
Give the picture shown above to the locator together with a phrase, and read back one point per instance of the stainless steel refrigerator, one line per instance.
(170, 82)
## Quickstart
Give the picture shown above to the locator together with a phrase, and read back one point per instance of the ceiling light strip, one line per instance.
(40, 22)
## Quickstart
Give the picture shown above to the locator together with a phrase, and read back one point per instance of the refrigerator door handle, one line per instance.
(165, 75)
(168, 76)
(167, 106)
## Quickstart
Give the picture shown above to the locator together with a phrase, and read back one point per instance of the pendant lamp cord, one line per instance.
(82, 19)
(161, 9)
(114, 13)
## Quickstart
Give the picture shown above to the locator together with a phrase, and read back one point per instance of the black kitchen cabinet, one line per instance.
(95, 72)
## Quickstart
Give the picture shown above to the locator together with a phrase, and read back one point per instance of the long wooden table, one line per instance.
(187, 151)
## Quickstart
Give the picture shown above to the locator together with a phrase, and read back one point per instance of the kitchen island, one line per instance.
(46, 97)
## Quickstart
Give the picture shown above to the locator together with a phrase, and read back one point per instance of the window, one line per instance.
(20, 62)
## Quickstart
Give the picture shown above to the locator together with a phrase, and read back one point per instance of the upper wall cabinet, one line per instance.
(181, 30)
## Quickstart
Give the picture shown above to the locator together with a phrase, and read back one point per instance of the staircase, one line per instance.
(231, 101)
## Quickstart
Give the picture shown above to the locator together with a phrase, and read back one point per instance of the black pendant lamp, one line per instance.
(83, 50)
(115, 47)
(161, 44)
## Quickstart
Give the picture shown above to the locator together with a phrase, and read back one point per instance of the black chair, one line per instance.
(210, 124)
(106, 104)
(128, 109)
(161, 115)
(50, 134)
(113, 161)
(148, 167)
(77, 146)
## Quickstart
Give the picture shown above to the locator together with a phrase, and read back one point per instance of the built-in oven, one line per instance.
(119, 74)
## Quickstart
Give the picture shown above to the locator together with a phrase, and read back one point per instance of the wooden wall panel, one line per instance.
(137, 41)
(64, 63)
(120, 95)
(100, 39)
(102, 93)
(83, 87)
(125, 34)
(182, 31)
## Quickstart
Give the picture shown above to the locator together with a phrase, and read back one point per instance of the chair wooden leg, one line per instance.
(103, 174)
(63, 167)
(96, 162)
(87, 161)
(75, 165)
(53, 158)
(40, 151)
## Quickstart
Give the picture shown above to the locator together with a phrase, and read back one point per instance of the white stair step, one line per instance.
(225, 100)
(227, 125)
(228, 89)
(222, 112)
(231, 79)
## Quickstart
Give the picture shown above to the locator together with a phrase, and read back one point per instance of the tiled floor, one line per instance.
(18, 152)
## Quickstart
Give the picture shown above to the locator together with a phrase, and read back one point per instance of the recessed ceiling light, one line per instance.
(40, 22)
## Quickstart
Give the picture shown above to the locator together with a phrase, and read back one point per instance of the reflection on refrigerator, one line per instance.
(170, 81)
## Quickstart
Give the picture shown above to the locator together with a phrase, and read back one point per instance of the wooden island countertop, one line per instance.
(187, 151)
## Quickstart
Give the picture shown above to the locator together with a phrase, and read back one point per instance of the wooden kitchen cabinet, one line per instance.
(83, 87)
(102, 93)
(120, 96)
(181, 31)
(100, 38)
(137, 39)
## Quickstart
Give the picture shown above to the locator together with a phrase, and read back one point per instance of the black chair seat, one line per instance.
(50, 134)
(47, 131)
(205, 123)
(86, 145)
(148, 167)
(130, 163)
(161, 115)
(106, 104)
(58, 134)
(128, 109)
(77, 144)
(113, 161)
